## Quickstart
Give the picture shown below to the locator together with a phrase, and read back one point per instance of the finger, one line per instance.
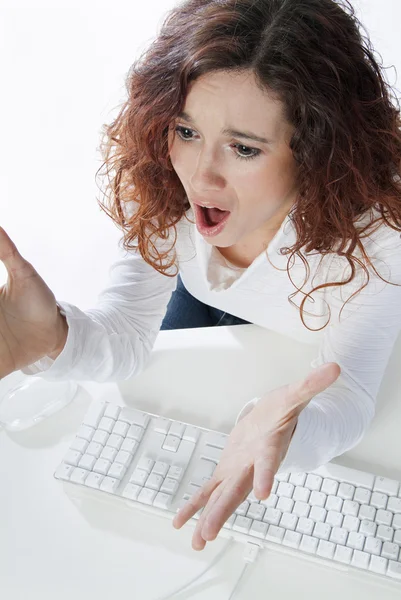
(266, 466)
(231, 497)
(197, 501)
(198, 541)
(11, 258)
(316, 381)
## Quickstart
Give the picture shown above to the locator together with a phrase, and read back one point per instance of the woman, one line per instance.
(258, 156)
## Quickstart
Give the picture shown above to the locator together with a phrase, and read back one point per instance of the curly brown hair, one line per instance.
(312, 56)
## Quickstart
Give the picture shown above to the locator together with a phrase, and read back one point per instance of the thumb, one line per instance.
(319, 379)
(11, 258)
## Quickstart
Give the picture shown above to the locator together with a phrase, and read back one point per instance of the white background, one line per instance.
(63, 66)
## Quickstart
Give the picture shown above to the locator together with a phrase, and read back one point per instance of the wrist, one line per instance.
(62, 334)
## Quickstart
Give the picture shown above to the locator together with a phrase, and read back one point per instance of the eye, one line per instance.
(255, 151)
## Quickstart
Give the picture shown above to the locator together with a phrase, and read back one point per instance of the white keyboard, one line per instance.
(341, 516)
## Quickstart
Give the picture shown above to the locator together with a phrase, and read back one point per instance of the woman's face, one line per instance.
(254, 180)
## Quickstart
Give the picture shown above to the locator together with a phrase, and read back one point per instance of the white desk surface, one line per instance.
(51, 548)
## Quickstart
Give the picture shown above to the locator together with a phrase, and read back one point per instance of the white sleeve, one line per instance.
(112, 341)
(361, 343)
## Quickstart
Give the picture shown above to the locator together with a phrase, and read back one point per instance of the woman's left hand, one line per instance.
(252, 456)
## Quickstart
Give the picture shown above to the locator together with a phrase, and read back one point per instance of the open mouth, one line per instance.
(213, 216)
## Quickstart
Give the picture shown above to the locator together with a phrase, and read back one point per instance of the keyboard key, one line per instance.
(131, 491)
(147, 496)
(175, 472)
(313, 482)
(334, 503)
(204, 469)
(378, 564)
(275, 534)
(308, 544)
(79, 475)
(108, 453)
(211, 453)
(329, 487)
(87, 462)
(64, 471)
(191, 434)
(115, 441)
(101, 466)
(80, 445)
(394, 504)
(334, 518)
(72, 457)
(322, 531)
(325, 549)
(346, 491)
(390, 550)
(86, 432)
(94, 480)
(297, 479)
(161, 468)
(106, 424)
(301, 509)
(100, 437)
(145, 463)
(386, 486)
(379, 500)
(282, 476)
(154, 481)
(339, 535)
(373, 546)
(134, 417)
(94, 414)
(285, 489)
(135, 432)
(317, 499)
(169, 486)
(229, 523)
(355, 540)
(271, 501)
(162, 500)
(362, 495)
(384, 517)
(292, 539)
(129, 445)
(350, 508)
(139, 476)
(285, 504)
(305, 525)
(95, 449)
(360, 559)
(112, 411)
(242, 509)
(301, 494)
(216, 439)
(109, 484)
(242, 524)
(121, 428)
(272, 516)
(256, 511)
(171, 443)
(367, 512)
(258, 529)
(368, 528)
(288, 521)
(117, 470)
(124, 458)
(318, 514)
(346, 475)
(394, 569)
(177, 429)
(385, 533)
(343, 554)
(351, 523)
(162, 425)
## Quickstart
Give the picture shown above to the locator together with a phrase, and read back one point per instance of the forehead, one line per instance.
(235, 99)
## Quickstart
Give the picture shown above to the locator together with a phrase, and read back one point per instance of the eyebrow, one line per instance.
(247, 135)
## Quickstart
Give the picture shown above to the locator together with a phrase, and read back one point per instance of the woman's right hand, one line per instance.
(31, 325)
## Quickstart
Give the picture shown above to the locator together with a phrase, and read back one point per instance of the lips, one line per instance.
(211, 205)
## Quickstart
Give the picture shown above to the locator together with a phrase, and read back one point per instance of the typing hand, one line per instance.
(252, 456)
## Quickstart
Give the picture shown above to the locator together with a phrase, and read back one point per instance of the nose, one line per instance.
(206, 175)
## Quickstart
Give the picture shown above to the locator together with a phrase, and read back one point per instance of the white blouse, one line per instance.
(113, 341)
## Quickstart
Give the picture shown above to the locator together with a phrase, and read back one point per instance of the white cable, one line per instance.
(251, 552)
(216, 559)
